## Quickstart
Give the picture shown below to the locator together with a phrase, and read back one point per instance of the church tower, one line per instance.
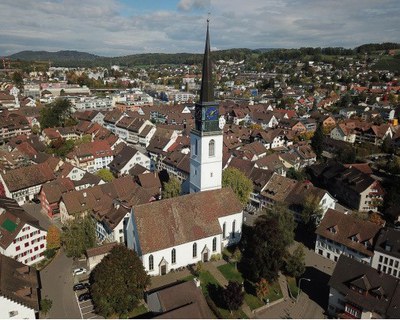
(206, 138)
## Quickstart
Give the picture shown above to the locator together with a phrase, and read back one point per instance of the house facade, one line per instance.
(387, 252)
(22, 238)
(342, 234)
(20, 290)
(358, 291)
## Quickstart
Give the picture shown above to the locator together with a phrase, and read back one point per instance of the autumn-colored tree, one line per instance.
(262, 288)
(256, 126)
(376, 218)
(53, 237)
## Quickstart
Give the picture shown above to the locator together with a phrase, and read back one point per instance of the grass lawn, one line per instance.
(252, 301)
(188, 278)
(275, 292)
(230, 273)
(142, 309)
(138, 311)
(238, 314)
(292, 286)
(207, 278)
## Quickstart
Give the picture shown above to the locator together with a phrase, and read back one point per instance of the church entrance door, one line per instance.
(163, 269)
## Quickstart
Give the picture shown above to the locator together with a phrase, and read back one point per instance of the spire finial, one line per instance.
(207, 91)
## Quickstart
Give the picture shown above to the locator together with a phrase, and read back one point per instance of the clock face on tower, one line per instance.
(211, 113)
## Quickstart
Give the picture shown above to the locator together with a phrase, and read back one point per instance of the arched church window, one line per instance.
(211, 148)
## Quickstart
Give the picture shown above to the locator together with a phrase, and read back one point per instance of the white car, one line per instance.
(79, 271)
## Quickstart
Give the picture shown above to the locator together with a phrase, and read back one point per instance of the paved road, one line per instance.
(57, 282)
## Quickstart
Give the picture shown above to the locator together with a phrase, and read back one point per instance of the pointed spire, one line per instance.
(207, 90)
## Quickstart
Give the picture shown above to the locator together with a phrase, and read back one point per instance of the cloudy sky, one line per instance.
(121, 27)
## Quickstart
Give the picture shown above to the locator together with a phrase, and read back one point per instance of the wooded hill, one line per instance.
(68, 58)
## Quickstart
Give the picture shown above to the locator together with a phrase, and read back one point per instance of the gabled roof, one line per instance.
(12, 220)
(26, 177)
(350, 273)
(388, 242)
(183, 219)
(181, 301)
(278, 188)
(122, 158)
(19, 283)
(54, 189)
(347, 226)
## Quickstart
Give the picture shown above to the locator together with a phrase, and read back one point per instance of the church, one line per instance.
(173, 233)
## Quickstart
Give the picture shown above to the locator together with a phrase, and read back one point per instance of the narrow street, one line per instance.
(57, 282)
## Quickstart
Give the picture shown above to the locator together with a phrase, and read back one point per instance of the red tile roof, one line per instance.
(183, 219)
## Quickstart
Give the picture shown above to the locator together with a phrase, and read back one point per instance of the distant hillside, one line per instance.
(65, 55)
(83, 59)
(69, 58)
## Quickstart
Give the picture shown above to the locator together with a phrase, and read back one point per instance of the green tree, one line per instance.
(105, 175)
(171, 189)
(240, 184)
(118, 282)
(45, 305)
(236, 256)
(298, 175)
(264, 252)
(295, 263)
(317, 141)
(79, 234)
(233, 295)
(18, 79)
(56, 114)
(312, 211)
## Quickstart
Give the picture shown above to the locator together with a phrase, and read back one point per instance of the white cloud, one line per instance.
(104, 26)
(189, 5)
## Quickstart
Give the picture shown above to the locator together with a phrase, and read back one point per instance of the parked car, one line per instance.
(79, 271)
(81, 286)
(85, 296)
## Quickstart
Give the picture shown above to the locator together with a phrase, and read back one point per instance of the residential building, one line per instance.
(127, 158)
(343, 234)
(50, 195)
(358, 291)
(387, 252)
(91, 156)
(19, 290)
(95, 255)
(24, 183)
(21, 236)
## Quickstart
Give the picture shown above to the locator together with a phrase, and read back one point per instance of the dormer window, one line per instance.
(388, 247)
(333, 229)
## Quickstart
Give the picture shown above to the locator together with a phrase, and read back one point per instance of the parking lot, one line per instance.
(86, 307)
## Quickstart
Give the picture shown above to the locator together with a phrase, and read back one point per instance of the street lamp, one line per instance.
(297, 298)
